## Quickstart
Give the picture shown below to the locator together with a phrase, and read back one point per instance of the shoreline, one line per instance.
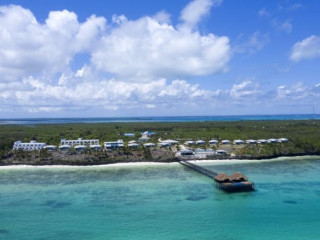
(144, 164)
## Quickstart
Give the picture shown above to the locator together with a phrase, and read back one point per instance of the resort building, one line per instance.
(272, 140)
(169, 141)
(213, 142)
(129, 134)
(262, 141)
(50, 147)
(96, 147)
(280, 140)
(32, 145)
(251, 141)
(64, 147)
(149, 145)
(80, 148)
(133, 144)
(148, 134)
(186, 152)
(79, 141)
(189, 143)
(238, 142)
(221, 152)
(200, 142)
(225, 142)
(113, 145)
(164, 144)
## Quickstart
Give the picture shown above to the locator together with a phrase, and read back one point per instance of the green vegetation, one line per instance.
(304, 136)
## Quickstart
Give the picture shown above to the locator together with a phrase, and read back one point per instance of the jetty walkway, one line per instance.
(237, 182)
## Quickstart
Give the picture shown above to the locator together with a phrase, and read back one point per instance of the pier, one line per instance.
(237, 182)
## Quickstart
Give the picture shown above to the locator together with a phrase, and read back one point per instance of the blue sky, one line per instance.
(158, 58)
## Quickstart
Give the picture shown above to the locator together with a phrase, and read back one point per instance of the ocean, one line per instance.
(161, 201)
(32, 121)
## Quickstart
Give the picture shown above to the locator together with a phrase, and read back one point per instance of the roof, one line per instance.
(238, 176)
(222, 177)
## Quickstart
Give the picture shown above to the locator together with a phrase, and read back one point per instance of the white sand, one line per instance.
(133, 164)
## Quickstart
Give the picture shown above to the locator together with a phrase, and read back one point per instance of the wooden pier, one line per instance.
(237, 182)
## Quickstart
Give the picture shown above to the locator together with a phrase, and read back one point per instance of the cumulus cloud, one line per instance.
(298, 91)
(309, 48)
(246, 89)
(130, 63)
(254, 43)
(282, 26)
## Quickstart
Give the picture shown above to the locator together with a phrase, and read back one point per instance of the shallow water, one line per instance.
(160, 202)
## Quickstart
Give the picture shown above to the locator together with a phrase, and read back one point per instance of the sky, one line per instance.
(122, 58)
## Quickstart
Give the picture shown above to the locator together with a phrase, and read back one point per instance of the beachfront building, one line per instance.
(170, 142)
(251, 141)
(129, 134)
(113, 145)
(79, 141)
(64, 147)
(225, 142)
(189, 143)
(186, 152)
(213, 142)
(96, 147)
(28, 146)
(133, 144)
(80, 148)
(149, 145)
(272, 140)
(164, 144)
(262, 141)
(281, 140)
(50, 147)
(238, 142)
(200, 142)
(221, 152)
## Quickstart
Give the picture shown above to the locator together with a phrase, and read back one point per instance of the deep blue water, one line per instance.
(31, 121)
(158, 202)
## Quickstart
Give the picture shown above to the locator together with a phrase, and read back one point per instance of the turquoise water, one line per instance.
(160, 202)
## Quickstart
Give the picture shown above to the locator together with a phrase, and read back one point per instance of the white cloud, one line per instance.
(254, 43)
(246, 89)
(145, 48)
(263, 12)
(309, 48)
(195, 11)
(283, 26)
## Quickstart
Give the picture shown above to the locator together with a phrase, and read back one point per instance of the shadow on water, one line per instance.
(3, 231)
(55, 204)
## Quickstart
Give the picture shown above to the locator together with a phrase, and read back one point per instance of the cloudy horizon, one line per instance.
(175, 61)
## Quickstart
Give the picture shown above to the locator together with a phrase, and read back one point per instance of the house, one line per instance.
(79, 141)
(221, 152)
(96, 147)
(213, 142)
(200, 142)
(164, 144)
(225, 142)
(238, 142)
(64, 147)
(80, 147)
(272, 140)
(186, 152)
(129, 134)
(170, 142)
(281, 140)
(149, 145)
(133, 145)
(251, 141)
(113, 145)
(50, 147)
(32, 145)
(262, 141)
(189, 143)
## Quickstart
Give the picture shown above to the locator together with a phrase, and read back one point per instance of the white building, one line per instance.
(144, 138)
(225, 142)
(189, 143)
(262, 141)
(280, 140)
(80, 148)
(200, 142)
(169, 141)
(79, 141)
(64, 147)
(213, 142)
(238, 142)
(51, 147)
(149, 145)
(251, 141)
(221, 152)
(129, 134)
(113, 145)
(96, 147)
(32, 145)
(272, 140)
